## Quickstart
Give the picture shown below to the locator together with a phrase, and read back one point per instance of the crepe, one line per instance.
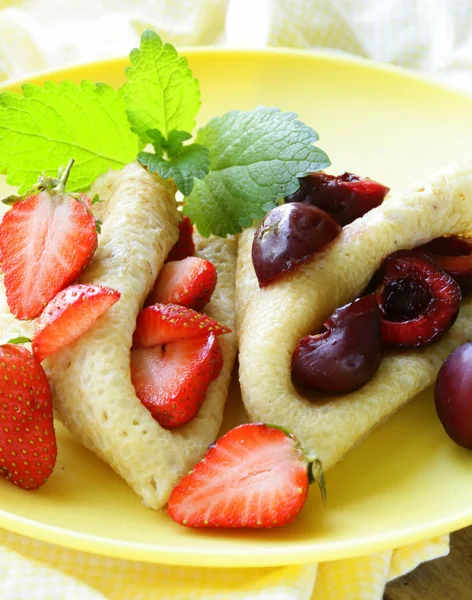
(272, 320)
(90, 379)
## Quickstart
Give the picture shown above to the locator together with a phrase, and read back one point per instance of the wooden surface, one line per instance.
(448, 578)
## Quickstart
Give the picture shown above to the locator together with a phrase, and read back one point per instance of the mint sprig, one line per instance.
(239, 167)
(182, 163)
(256, 158)
(42, 128)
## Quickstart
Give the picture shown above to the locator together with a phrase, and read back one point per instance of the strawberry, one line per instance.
(189, 282)
(69, 315)
(172, 380)
(254, 476)
(28, 447)
(164, 323)
(46, 240)
(184, 246)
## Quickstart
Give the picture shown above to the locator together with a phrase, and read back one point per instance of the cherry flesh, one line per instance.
(345, 197)
(453, 395)
(287, 236)
(453, 254)
(418, 300)
(347, 355)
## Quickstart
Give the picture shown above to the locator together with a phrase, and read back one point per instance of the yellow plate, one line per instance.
(407, 481)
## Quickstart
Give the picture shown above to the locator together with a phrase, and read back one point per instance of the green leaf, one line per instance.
(172, 145)
(96, 199)
(42, 128)
(175, 141)
(186, 164)
(161, 92)
(255, 159)
(19, 340)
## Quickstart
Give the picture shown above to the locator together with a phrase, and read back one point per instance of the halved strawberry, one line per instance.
(184, 246)
(172, 380)
(254, 476)
(46, 241)
(189, 282)
(164, 323)
(28, 447)
(69, 315)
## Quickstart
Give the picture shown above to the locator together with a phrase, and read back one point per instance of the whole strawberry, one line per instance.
(47, 239)
(28, 446)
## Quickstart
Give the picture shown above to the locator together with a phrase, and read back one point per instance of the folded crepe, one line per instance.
(272, 320)
(90, 379)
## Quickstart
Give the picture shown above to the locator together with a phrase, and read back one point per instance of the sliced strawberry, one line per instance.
(69, 315)
(172, 380)
(28, 447)
(254, 476)
(216, 360)
(164, 323)
(46, 241)
(184, 246)
(189, 282)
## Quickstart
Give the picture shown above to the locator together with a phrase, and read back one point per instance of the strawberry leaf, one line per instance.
(161, 92)
(42, 128)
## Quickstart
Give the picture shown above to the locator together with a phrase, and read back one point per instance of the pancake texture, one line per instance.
(272, 320)
(90, 379)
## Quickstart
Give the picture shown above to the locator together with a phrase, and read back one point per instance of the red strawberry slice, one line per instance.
(70, 314)
(172, 380)
(189, 282)
(254, 476)
(28, 447)
(46, 241)
(164, 323)
(184, 246)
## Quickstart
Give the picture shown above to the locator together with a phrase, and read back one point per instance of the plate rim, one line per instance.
(304, 552)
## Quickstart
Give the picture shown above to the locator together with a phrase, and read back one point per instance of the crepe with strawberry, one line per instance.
(91, 381)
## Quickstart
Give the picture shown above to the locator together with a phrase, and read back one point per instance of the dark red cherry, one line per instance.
(453, 253)
(453, 395)
(345, 197)
(288, 235)
(419, 301)
(347, 355)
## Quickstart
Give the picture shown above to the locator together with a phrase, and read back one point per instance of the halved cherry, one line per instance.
(287, 236)
(345, 197)
(453, 253)
(347, 355)
(419, 301)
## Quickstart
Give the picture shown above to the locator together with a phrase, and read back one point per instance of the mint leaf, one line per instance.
(161, 92)
(183, 166)
(255, 159)
(175, 140)
(45, 127)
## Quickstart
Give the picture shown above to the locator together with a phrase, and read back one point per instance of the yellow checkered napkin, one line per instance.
(32, 570)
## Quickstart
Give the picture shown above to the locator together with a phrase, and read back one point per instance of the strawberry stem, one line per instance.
(315, 473)
(19, 340)
(62, 177)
